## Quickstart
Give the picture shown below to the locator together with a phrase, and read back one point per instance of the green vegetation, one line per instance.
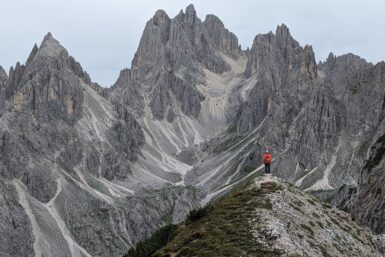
(311, 202)
(320, 224)
(223, 229)
(231, 130)
(231, 138)
(198, 214)
(248, 168)
(160, 238)
(308, 229)
(315, 215)
(355, 90)
(229, 141)
(326, 206)
(324, 251)
(296, 208)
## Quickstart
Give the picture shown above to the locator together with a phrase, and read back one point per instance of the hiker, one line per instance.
(267, 160)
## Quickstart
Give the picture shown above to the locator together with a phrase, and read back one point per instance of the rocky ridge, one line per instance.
(268, 217)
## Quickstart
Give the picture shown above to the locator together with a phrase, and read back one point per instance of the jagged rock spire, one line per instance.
(48, 38)
(160, 16)
(32, 54)
(283, 33)
(170, 45)
(51, 47)
(191, 14)
(49, 68)
(3, 75)
(281, 48)
(222, 38)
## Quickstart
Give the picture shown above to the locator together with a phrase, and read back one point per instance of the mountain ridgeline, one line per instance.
(278, 220)
(91, 171)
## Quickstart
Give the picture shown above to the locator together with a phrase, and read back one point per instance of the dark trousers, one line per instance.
(267, 168)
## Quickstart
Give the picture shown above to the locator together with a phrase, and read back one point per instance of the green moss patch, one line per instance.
(160, 238)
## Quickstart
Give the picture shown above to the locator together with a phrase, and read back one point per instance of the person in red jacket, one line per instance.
(267, 160)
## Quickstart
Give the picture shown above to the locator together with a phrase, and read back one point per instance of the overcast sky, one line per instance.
(104, 35)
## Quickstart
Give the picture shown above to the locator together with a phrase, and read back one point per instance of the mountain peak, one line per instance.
(32, 54)
(331, 56)
(3, 75)
(190, 14)
(160, 16)
(282, 32)
(190, 10)
(213, 18)
(282, 27)
(50, 46)
(48, 37)
(222, 37)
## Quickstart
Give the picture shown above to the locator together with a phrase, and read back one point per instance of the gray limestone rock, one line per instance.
(44, 152)
(3, 75)
(96, 170)
(221, 37)
(45, 86)
(127, 93)
(16, 232)
(168, 62)
(368, 207)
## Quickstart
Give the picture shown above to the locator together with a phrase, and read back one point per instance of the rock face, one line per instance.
(272, 218)
(3, 75)
(168, 60)
(66, 165)
(3, 81)
(90, 171)
(327, 114)
(16, 239)
(221, 38)
(48, 93)
(368, 206)
(281, 71)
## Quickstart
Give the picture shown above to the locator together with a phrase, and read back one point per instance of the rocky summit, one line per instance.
(91, 171)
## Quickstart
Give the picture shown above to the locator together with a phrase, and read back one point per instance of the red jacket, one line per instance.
(267, 158)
